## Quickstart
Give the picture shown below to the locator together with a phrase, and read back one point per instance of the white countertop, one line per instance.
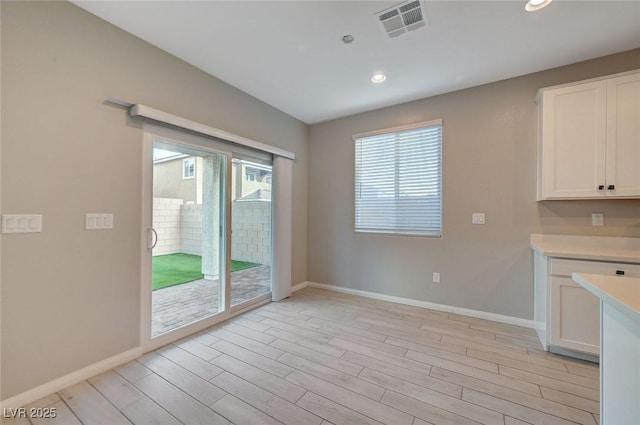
(598, 248)
(623, 293)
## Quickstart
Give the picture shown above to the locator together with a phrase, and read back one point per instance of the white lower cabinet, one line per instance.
(567, 315)
(575, 316)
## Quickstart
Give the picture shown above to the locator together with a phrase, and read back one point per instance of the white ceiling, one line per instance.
(290, 54)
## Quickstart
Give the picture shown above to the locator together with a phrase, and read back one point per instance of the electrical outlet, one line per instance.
(436, 278)
(597, 219)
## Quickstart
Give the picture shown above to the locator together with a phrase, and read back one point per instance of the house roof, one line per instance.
(258, 195)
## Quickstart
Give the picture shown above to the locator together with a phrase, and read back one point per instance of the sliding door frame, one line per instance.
(159, 122)
(147, 341)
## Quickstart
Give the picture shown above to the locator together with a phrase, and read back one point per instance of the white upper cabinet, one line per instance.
(589, 139)
(623, 135)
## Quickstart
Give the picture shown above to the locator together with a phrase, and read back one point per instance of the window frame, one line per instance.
(398, 231)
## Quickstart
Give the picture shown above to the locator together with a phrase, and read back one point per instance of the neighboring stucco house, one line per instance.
(180, 177)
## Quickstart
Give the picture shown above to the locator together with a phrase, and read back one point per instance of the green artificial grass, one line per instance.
(241, 265)
(175, 269)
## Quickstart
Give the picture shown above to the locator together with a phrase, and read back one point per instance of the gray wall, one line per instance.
(489, 166)
(70, 297)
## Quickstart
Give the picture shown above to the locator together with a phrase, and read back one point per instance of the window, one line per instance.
(189, 168)
(398, 176)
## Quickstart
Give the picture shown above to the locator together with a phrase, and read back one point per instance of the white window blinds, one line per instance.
(399, 181)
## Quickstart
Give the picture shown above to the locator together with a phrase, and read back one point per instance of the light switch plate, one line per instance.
(100, 221)
(21, 223)
(477, 218)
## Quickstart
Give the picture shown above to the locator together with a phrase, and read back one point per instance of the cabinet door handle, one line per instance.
(620, 272)
(601, 187)
(611, 187)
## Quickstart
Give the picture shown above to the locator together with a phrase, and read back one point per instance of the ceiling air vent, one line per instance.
(403, 17)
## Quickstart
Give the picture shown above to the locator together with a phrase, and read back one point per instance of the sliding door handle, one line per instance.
(152, 239)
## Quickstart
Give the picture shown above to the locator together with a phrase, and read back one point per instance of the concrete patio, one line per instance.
(180, 305)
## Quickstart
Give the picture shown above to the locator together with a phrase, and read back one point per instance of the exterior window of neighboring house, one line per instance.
(398, 181)
(268, 179)
(189, 168)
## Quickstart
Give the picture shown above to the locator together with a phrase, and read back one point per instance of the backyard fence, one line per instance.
(166, 222)
(179, 229)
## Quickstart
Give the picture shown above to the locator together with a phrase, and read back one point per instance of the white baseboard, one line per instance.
(72, 378)
(425, 304)
(299, 286)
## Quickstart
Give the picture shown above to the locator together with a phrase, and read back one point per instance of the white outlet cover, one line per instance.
(436, 278)
(597, 219)
(477, 218)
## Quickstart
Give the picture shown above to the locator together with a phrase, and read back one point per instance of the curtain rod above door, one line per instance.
(143, 111)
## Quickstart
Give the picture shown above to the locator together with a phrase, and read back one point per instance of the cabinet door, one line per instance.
(623, 136)
(574, 316)
(573, 141)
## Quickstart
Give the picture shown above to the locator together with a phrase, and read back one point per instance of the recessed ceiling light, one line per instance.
(533, 5)
(378, 78)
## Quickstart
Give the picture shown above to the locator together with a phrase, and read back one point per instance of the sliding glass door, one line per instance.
(251, 258)
(208, 252)
(187, 236)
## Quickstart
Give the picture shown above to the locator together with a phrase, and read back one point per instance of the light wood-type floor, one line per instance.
(323, 358)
